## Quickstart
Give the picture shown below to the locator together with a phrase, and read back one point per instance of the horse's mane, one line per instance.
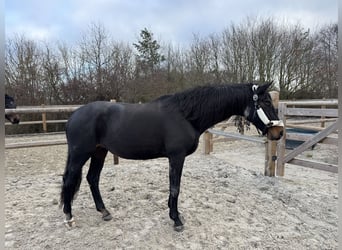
(209, 104)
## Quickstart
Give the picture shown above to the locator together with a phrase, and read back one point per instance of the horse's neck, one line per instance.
(233, 102)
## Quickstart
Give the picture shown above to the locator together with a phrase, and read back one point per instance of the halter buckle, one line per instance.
(255, 97)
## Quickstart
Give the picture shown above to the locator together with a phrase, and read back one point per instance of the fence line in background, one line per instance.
(275, 154)
(43, 110)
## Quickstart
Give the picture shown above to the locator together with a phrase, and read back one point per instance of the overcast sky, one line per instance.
(170, 20)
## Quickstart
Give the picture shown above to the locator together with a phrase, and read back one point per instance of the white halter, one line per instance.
(261, 114)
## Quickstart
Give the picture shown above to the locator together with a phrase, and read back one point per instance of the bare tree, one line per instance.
(175, 68)
(265, 42)
(238, 56)
(120, 70)
(51, 76)
(23, 70)
(75, 84)
(198, 61)
(96, 53)
(294, 61)
(215, 60)
(324, 80)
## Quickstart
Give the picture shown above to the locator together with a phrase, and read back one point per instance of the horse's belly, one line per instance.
(136, 148)
(137, 153)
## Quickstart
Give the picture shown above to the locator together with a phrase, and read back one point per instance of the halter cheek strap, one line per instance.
(261, 114)
(263, 117)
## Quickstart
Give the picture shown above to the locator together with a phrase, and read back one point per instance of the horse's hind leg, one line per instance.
(93, 177)
(71, 183)
(176, 166)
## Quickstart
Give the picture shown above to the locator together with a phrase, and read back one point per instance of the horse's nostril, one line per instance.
(281, 133)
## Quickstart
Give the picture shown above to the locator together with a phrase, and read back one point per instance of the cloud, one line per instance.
(172, 21)
(35, 32)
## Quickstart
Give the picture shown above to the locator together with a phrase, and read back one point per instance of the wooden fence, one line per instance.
(326, 114)
(208, 141)
(43, 110)
(324, 111)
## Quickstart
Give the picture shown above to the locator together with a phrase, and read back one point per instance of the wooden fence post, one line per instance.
(115, 157)
(266, 159)
(44, 120)
(211, 142)
(271, 151)
(323, 117)
(282, 142)
(271, 146)
(208, 142)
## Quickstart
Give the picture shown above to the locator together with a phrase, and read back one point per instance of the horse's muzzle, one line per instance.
(13, 118)
(275, 133)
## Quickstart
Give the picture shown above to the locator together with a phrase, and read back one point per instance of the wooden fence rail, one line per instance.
(43, 110)
(35, 144)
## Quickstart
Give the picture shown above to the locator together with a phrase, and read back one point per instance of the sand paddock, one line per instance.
(225, 200)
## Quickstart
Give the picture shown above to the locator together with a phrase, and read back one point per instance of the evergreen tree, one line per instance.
(148, 57)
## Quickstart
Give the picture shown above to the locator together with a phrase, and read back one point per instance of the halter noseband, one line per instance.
(260, 112)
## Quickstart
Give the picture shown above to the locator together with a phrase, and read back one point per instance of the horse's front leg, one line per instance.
(176, 166)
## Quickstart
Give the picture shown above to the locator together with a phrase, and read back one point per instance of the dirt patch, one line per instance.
(225, 200)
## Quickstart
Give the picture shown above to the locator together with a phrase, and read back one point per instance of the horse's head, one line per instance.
(261, 113)
(10, 104)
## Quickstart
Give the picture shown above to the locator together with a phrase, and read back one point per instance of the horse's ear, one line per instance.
(262, 89)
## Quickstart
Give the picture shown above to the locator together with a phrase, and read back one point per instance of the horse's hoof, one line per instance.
(107, 217)
(70, 223)
(179, 228)
(179, 224)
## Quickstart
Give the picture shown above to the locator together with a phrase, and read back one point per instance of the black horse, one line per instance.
(169, 126)
(10, 104)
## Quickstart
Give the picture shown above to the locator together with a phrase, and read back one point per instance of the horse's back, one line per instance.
(116, 126)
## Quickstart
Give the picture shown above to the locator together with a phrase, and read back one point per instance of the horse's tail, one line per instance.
(66, 178)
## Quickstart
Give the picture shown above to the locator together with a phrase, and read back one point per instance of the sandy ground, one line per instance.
(225, 200)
